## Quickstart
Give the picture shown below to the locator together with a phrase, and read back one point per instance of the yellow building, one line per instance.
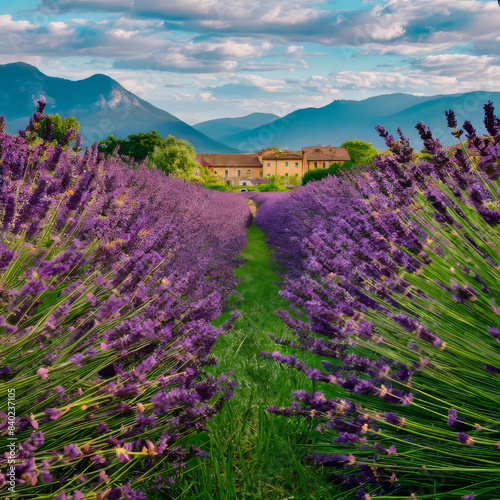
(284, 163)
(268, 162)
(323, 156)
(232, 167)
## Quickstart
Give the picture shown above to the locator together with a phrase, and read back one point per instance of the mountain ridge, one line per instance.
(221, 127)
(101, 105)
(343, 120)
(104, 107)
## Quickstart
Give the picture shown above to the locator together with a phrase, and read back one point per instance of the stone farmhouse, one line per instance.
(238, 168)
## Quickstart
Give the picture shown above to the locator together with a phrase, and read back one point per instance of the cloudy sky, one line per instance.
(202, 59)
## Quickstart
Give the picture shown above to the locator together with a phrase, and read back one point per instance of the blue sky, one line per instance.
(202, 59)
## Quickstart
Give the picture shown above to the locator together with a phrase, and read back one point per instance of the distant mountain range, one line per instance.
(224, 127)
(99, 103)
(343, 120)
(104, 107)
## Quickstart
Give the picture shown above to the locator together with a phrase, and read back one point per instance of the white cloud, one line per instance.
(295, 51)
(60, 29)
(7, 24)
(441, 73)
(121, 34)
(226, 49)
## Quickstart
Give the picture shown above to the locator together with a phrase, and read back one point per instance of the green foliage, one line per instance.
(137, 146)
(176, 157)
(320, 173)
(361, 153)
(171, 155)
(293, 180)
(277, 183)
(60, 127)
(209, 179)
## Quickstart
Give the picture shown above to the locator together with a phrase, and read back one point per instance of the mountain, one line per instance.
(99, 103)
(223, 127)
(343, 120)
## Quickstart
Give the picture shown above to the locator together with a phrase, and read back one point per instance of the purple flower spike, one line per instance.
(71, 451)
(451, 118)
(495, 333)
(490, 118)
(452, 416)
(465, 438)
(392, 418)
(468, 497)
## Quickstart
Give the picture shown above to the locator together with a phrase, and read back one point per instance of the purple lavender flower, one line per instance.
(464, 438)
(71, 451)
(9, 211)
(490, 118)
(451, 118)
(495, 333)
(452, 416)
(392, 418)
(42, 102)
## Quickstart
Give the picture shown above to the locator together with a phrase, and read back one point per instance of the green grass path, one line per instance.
(253, 454)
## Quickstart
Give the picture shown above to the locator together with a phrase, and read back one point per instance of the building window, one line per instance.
(315, 164)
(227, 174)
(269, 175)
(261, 174)
(239, 173)
(286, 164)
(268, 163)
(286, 175)
(324, 164)
(296, 163)
(249, 172)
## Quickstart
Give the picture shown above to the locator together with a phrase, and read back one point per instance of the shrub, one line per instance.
(276, 183)
(361, 153)
(111, 276)
(335, 169)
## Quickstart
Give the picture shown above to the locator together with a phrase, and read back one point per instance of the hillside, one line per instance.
(222, 127)
(100, 104)
(343, 120)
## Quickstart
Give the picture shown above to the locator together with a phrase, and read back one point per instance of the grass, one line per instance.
(253, 454)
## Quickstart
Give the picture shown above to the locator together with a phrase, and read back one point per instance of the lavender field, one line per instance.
(128, 328)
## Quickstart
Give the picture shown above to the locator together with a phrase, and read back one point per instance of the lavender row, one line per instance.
(111, 274)
(396, 268)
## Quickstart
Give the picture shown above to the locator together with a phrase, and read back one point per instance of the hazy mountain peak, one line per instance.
(100, 104)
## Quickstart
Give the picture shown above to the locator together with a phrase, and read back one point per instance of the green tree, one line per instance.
(59, 131)
(138, 146)
(60, 127)
(209, 179)
(176, 157)
(361, 153)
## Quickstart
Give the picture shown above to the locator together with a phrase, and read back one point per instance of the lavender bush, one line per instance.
(110, 276)
(396, 268)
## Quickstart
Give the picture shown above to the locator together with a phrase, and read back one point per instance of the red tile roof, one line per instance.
(326, 153)
(230, 159)
(284, 155)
